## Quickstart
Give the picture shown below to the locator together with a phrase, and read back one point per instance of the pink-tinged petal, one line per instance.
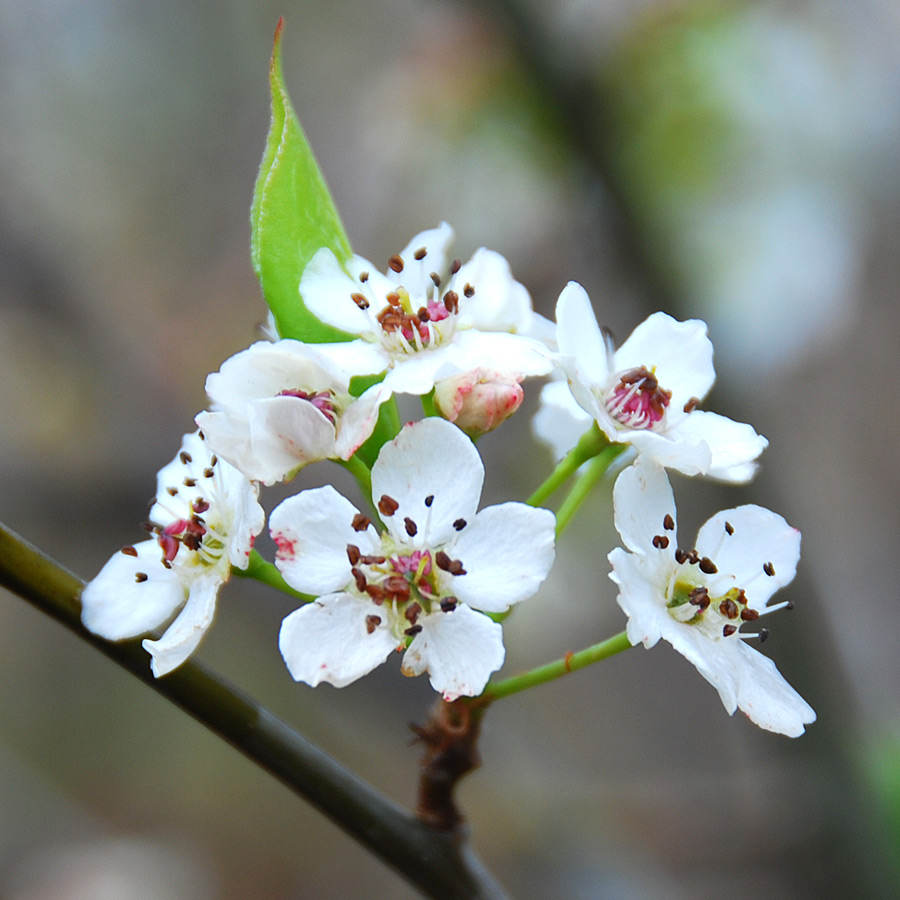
(416, 274)
(500, 303)
(120, 603)
(183, 636)
(337, 639)
(559, 421)
(459, 650)
(680, 354)
(580, 339)
(507, 551)
(428, 459)
(759, 539)
(767, 699)
(643, 506)
(358, 420)
(640, 596)
(313, 530)
(682, 455)
(327, 291)
(734, 446)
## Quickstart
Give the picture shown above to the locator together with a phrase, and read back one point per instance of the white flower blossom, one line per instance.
(699, 599)
(427, 318)
(421, 582)
(204, 519)
(278, 406)
(646, 392)
(559, 421)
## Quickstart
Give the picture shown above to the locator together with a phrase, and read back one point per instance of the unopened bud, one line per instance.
(478, 401)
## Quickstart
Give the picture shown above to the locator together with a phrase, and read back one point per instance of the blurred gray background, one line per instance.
(730, 161)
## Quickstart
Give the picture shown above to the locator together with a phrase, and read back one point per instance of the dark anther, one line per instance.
(375, 592)
(363, 277)
(699, 597)
(419, 254)
(395, 263)
(693, 557)
(448, 604)
(372, 560)
(208, 472)
(185, 457)
(455, 266)
(171, 491)
(129, 551)
(769, 569)
(749, 615)
(393, 298)
(459, 524)
(429, 500)
(451, 301)
(353, 554)
(200, 505)
(411, 528)
(729, 630)
(729, 528)
(387, 506)
(435, 279)
(360, 522)
(412, 613)
(790, 604)
(660, 541)
(692, 404)
(214, 460)
(413, 630)
(680, 556)
(189, 482)
(729, 609)
(442, 560)
(456, 567)
(360, 580)
(763, 634)
(423, 315)
(372, 622)
(140, 577)
(468, 290)
(668, 523)
(396, 587)
(191, 541)
(166, 564)
(707, 566)
(360, 300)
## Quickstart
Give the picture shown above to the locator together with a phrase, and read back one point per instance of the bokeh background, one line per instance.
(730, 161)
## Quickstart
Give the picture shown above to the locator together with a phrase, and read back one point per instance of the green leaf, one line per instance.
(292, 217)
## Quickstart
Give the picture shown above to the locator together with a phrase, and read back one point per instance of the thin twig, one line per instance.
(438, 863)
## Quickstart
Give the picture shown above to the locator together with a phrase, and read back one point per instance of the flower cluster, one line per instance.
(423, 570)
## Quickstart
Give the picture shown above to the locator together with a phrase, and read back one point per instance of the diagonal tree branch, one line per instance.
(439, 863)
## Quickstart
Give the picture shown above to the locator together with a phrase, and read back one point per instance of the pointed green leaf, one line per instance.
(292, 217)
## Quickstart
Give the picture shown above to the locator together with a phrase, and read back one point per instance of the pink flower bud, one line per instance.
(478, 401)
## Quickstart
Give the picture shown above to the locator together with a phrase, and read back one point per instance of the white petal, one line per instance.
(511, 353)
(356, 357)
(183, 636)
(430, 458)
(680, 352)
(641, 581)
(326, 290)
(642, 498)
(718, 661)
(559, 421)
(459, 650)
(767, 699)
(500, 303)
(237, 503)
(689, 458)
(759, 537)
(116, 606)
(329, 640)
(579, 336)
(507, 551)
(358, 420)
(734, 446)
(416, 274)
(417, 373)
(312, 530)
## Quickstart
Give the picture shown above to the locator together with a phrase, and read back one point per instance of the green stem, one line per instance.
(571, 662)
(591, 443)
(439, 863)
(596, 469)
(260, 569)
(428, 406)
(361, 472)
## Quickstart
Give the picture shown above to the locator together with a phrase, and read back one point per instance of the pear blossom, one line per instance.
(424, 582)
(427, 317)
(277, 406)
(559, 421)
(204, 519)
(699, 599)
(646, 393)
(478, 401)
